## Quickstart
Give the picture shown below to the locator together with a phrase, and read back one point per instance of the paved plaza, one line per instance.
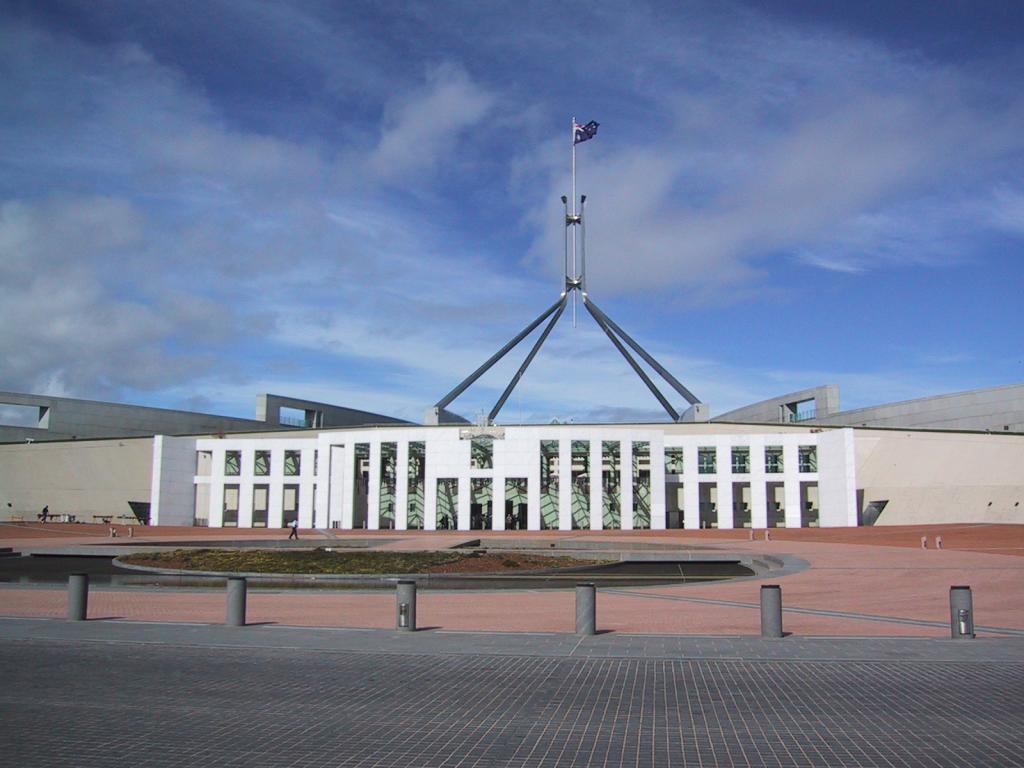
(677, 675)
(152, 695)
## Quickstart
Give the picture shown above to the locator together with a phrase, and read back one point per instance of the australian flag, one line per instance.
(584, 132)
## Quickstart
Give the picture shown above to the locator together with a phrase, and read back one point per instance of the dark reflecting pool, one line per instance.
(51, 570)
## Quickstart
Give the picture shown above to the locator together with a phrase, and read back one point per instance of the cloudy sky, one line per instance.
(358, 202)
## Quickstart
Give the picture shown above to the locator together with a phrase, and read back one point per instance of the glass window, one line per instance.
(641, 484)
(289, 504)
(741, 461)
(707, 463)
(773, 459)
(230, 519)
(262, 463)
(808, 458)
(447, 503)
(292, 462)
(232, 462)
(260, 505)
(581, 484)
(674, 461)
(416, 476)
(481, 452)
(549, 451)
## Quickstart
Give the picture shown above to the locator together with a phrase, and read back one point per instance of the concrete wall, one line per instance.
(998, 409)
(826, 401)
(940, 477)
(83, 477)
(319, 415)
(172, 491)
(68, 418)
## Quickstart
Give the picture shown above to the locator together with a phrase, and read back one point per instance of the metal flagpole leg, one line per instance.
(529, 359)
(444, 402)
(633, 363)
(673, 382)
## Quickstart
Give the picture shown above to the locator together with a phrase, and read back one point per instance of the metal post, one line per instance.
(961, 613)
(586, 609)
(405, 606)
(78, 596)
(771, 610)
(572, 140)
(236, 601)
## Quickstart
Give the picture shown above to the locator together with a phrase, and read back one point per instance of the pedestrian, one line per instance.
(295, 530)
(44, 514)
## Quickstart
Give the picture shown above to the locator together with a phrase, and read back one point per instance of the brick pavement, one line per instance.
(849, 588)
(212, 701)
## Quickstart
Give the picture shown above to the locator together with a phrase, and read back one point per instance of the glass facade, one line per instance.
(417, 473)
(808, 458)
(707, 461)
(261, 463)
(447, 503)
(388, 483)
(548, 484)
(481, 452)
(611, 492)
(773, 459)
(580, 484)
(674, 461)
(741, 461)
(641, 485)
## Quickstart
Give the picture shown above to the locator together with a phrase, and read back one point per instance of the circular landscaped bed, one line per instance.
(326, 561)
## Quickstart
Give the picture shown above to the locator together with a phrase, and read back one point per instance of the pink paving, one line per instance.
(872, 571)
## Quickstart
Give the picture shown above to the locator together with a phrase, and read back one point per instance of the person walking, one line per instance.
(44, 514)
(295, 530)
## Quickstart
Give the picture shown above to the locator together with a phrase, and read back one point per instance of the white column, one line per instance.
(498, 501)
(596, 486)
(402, 486)
(348, 484)
(533, 491)
(215, 513)
(275, 504)
(725, 516)
(691, 491)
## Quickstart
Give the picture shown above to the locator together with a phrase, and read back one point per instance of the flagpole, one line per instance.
(572, 140)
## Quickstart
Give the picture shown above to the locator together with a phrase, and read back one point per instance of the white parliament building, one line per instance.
(564, 477)
(793, 461)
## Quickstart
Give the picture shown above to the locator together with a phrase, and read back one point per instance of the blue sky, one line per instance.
(359, 202)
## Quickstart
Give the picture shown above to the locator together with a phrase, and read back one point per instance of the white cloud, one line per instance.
(422, 128)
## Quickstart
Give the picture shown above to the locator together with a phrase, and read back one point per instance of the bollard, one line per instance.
(767, 536)
(236, 601)
(961, 613)
(405, 606)
(924, 542)
(78, 596)
(771, 610)
(586, 609)
(938, 542)
(751, 534)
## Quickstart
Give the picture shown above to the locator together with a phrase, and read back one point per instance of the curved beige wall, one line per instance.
(938, 477)
(81, 477)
